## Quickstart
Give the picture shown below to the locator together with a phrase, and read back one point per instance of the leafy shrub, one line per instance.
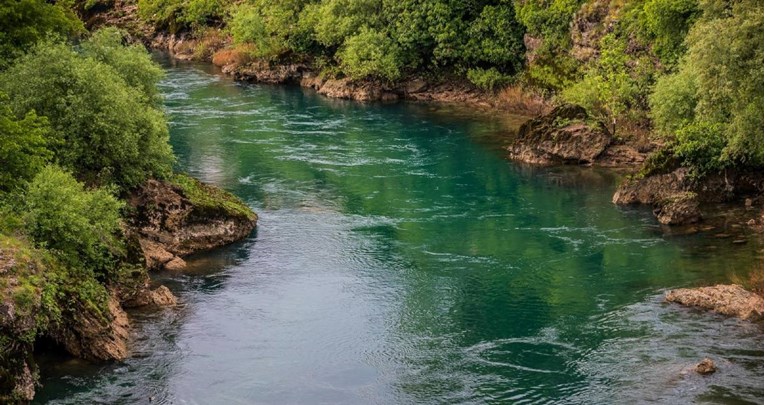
(713, 107)
(132, 62)
(82, 227)
(607, 90)
(247, 27)
(487, 79)
(333, 22)
(673, 102)
(23, 146)
(700, 146)
(101, 127)
(370, 53)
(176, 15)
(668, 22)
(25, 22)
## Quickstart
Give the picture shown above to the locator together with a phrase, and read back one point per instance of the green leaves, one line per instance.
(102, 128)
(712, 108)
(81, 226)
(370, 54)
(24, 22)
(23, 146)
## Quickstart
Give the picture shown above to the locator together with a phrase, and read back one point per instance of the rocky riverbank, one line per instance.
(169, 220)
(730, 300)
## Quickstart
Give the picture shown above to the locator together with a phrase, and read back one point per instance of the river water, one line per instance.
(399, 258)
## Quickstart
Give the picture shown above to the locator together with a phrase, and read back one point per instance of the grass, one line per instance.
(211, 200)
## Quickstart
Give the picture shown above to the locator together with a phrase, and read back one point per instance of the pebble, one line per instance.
(739, 241)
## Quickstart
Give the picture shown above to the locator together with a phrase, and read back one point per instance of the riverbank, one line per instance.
(396, 236)
(168, 221)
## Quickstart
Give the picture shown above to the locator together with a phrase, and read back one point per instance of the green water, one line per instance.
(399, 258)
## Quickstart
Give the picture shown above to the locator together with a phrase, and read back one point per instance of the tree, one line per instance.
(712, 109)
(370, 53)
(101, 128)
(132, 62)
(24, 22)
(81, 226)
(23, 146)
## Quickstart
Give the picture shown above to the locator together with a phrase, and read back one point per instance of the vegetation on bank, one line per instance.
(212, 200)
(687, 72)
(81, 125)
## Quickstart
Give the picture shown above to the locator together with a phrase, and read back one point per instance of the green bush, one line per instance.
(668, 22)
(699, 146)
(247, 27)
(713, 107)
(132, 62)
(23, 146)
(334, 21)
(487, 79)
(25, 22)
(370, 53)
(101, 127)
(176, 15)
(607, 89)
(673, 102)
(82, 227)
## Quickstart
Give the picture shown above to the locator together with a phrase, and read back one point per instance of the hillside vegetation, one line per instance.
(688, 72)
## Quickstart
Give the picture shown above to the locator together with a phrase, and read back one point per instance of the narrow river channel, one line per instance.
(400, 258)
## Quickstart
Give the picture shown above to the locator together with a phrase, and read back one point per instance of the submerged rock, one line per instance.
(706, 366)
(679, 209)
(677, 196)
(563, 136)
(176, 218)
(730, 300)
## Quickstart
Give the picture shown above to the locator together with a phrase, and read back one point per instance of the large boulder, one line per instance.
(564, 136)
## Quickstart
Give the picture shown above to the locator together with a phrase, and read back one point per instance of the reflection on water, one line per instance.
(399, 258)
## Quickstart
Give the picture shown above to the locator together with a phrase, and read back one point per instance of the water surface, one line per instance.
(399, 258)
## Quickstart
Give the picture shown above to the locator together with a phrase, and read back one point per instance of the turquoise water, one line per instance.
(399, 258)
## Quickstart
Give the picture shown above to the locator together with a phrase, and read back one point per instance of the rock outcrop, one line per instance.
(676, 196)
(564, 136)
(730, 300)
(679, 209)
(175, 219)
(90, 334)
(18, 323)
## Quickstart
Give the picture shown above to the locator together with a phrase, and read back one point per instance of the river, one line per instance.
(400, 258)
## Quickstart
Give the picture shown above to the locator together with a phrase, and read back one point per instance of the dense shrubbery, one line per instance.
(102, 128)
(24, 22)
(23, 150)
(77, 126)
(712, 108)
(81, 226)
(373, 38)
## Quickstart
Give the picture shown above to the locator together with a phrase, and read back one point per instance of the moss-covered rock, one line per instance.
(180, 216)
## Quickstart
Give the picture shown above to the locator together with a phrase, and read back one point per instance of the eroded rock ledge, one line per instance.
(173, 219)
(730, 300)
(677, 197)
(568, 136)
